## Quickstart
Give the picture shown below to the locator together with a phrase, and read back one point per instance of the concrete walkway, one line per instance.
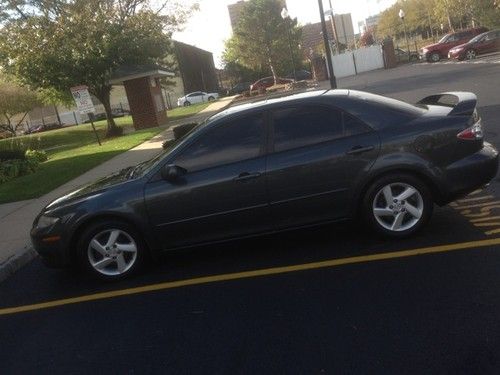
(17, 218)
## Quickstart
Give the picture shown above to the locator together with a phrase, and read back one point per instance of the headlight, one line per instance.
(46, 221)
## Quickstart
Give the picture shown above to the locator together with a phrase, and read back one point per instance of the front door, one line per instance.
(223, 194)
(318, 152)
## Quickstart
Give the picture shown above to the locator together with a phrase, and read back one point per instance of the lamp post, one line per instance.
(285, 16)
(402, 16)
(333, 81)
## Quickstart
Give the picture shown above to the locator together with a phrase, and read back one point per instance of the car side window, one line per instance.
(353, 126)
(306, 125)
(236, 140)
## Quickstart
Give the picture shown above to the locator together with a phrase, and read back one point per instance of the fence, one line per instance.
(358, 61)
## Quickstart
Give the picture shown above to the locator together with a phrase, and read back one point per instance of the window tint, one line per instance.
(227, 143)
(353, 126)
(302, 126)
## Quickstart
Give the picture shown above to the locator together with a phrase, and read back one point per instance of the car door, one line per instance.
(222, 194)
(487, 44)
(317, 154)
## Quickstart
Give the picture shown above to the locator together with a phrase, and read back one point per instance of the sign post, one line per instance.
(84, 104)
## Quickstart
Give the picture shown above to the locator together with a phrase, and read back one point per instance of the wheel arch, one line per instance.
(429, 181)
(81, 226)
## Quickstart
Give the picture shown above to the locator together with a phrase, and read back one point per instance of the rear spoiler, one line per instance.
(463, 103)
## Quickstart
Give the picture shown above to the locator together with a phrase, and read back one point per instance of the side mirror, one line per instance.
(172, 172)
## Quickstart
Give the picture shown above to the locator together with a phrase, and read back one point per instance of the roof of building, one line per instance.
(129, 72)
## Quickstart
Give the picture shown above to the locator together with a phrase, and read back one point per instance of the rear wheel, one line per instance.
(110, 250)
(210, 98)
(397, 205)
(470, 54)
(434, 57)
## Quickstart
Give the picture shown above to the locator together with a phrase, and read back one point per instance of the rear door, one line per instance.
(317, 153)
(488, 43)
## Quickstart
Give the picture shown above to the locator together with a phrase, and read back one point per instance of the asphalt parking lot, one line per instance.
(333, 299)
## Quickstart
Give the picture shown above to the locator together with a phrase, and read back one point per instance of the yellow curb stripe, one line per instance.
(249, 274)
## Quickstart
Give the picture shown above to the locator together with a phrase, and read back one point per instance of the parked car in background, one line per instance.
(402, 55)
(483, 43)
(266, 82)
(284, 163)
(300, 75)
(197, 97)
(239, 88)
(437, 51)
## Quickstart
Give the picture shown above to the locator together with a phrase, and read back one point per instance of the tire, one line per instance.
(111, 250)
(434, 57)
(187, 104)
(470, 54)
(395, 218)
(210, 98)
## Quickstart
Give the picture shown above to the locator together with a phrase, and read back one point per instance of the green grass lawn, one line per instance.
(64, 165)
(74, 150)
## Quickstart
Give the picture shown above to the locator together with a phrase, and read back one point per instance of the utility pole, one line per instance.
(333, 82)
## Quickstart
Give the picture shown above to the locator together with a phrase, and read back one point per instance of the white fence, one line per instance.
(358, 61)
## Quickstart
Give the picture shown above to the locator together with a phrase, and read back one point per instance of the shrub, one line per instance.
(17, 163)
(10, 169)
(182, 130)
(36, 156)
(12, 155)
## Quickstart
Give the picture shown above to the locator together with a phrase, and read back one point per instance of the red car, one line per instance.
(483, 43)
(268, 82)
(439, 50)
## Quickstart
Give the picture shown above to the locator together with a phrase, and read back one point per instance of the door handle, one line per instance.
(246, 176)
(359, 150)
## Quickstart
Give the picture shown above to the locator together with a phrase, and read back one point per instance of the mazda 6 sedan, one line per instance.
(289, 162)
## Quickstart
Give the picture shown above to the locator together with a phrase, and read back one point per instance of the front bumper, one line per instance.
(471, 173)
(51, 244)
(458, 55)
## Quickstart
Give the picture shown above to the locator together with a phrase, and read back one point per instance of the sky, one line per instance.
(209, 27)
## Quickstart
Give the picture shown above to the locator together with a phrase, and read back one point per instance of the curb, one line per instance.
(15, 262)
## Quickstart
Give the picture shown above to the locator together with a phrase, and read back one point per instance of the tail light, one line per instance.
(474, 133)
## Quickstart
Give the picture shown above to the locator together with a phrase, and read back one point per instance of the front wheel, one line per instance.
(187, 104)
(470, 54)
(434, 57)
(397, 205)
(110, 250)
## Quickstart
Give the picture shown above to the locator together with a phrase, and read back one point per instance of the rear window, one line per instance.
(380, 111)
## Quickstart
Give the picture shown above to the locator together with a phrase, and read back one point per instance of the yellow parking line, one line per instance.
(249, 274)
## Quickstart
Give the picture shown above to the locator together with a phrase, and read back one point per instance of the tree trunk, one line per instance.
(273, 72)
(104, 97)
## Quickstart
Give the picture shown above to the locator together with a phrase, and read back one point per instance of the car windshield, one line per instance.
(444, 38)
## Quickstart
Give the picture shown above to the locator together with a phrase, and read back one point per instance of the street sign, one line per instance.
(82, 99)
(85, 106)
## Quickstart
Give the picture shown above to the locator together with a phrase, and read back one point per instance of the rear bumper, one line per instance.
(471, 173)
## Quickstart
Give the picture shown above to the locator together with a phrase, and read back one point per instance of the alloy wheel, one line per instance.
(112, 252)
(470, 55)
(398, 207)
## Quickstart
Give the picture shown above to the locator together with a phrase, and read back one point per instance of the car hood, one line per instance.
(430, 46)
(460, 46)
(92, 189)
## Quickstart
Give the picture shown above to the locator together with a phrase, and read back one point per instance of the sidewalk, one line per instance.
(16, 218)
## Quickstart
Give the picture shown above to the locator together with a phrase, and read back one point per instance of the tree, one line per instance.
(366, 39)
(64, 43)
(260, 38)
(15, 100)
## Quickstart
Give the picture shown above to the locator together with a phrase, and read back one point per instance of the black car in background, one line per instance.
(284, 163)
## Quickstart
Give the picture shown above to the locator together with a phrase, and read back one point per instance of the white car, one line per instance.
(197, 97)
